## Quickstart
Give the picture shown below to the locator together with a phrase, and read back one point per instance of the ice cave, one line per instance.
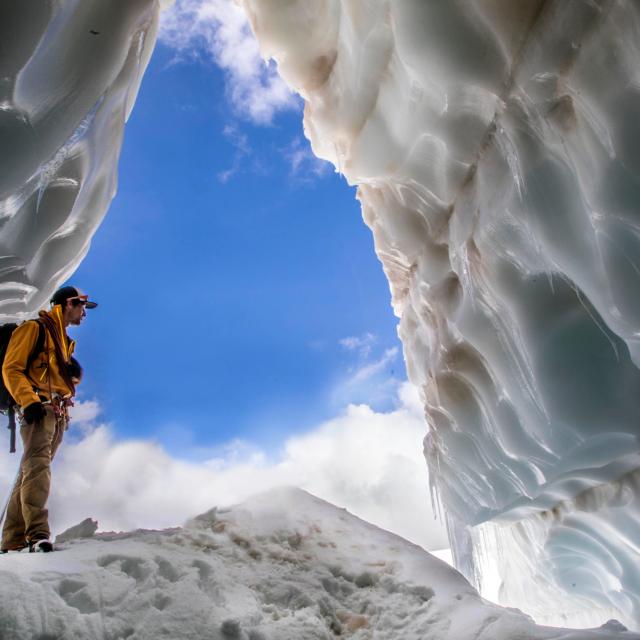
(495, 146)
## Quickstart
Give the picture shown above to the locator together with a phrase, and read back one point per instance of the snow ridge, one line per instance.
(284, 565)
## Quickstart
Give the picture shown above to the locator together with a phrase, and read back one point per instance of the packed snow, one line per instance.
(283, 565)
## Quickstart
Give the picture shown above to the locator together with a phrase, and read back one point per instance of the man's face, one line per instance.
(74, 311)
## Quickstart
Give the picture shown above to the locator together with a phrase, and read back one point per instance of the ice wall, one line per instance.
(69, 75)
(496, 149)
(580, 558)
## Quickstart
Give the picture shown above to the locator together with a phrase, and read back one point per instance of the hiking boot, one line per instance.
(42, 546)
(14, 550)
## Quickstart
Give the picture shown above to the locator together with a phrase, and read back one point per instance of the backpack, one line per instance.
(7, 403)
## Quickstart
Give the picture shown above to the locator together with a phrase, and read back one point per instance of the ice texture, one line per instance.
(283, 565)
(496, 149)
(69, 76)
(580, 554)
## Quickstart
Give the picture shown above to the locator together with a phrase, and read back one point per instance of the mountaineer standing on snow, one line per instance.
(40, 374)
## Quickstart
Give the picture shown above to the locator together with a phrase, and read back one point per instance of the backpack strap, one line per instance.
(39, 345)
(35, 352)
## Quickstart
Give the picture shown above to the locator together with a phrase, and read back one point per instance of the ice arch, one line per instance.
(496, 146)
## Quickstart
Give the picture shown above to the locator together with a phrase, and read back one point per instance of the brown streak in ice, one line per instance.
(321, 69)
(538, 17)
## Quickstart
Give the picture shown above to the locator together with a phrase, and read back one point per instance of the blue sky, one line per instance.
(244, 338)
(240, 295)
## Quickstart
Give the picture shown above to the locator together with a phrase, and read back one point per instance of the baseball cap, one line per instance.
(71, 293)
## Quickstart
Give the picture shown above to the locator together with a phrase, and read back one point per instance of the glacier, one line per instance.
(495, 149)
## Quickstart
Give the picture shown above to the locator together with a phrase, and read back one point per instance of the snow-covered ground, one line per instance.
(283, 565)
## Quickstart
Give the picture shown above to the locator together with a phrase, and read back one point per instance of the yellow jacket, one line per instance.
(44, 374)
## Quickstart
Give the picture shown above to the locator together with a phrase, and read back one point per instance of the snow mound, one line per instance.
(283, 565)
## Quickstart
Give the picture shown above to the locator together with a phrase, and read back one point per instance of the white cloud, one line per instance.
(369, 462)
(369, 380)
(219, 30)
(84, 411)
(303, 164)
(240, 142)
(371, 369)
(304, 167)
(362, 344)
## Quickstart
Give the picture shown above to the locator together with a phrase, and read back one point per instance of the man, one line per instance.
(43, 394)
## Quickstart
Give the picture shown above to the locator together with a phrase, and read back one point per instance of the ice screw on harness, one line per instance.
(12, 429)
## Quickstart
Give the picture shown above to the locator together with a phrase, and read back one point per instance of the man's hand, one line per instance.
(75, 370)
(34, 413)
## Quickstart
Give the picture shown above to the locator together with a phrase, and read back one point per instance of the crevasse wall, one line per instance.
(69, 75)
(496, 149)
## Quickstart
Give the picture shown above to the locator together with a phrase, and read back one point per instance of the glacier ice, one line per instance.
(496, 150)
(69, 75)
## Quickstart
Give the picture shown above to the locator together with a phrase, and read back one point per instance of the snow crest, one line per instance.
(495, 146)
(281, 566)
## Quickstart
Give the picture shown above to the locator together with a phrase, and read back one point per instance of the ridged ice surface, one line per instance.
(580, 559)
(496, 149)
(69, 75)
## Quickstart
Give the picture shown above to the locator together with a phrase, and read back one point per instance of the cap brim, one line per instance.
(90, 305)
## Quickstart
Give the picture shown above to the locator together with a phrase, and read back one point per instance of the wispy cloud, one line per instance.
(302, 163)
(304, 167)
(369, 462)
(362, 344)
(370, 378)
(240, 142)
(371, 369)
(219, 31)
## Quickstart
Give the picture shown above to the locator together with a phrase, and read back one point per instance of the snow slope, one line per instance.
(496, 149)
(284, 565)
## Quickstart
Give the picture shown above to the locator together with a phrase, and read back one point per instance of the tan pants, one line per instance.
(27, 517)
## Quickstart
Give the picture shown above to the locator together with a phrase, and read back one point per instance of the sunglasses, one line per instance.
(82, 300)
